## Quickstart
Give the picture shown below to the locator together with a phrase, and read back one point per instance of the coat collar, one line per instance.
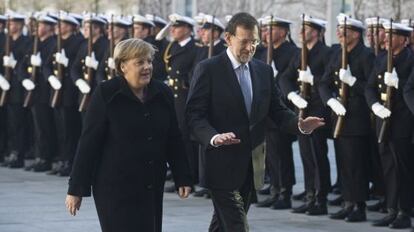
(123, 89)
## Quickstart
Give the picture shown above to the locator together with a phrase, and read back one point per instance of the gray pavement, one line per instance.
(34, 202)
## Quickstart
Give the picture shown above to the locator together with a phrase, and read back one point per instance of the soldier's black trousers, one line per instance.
(354, 152)
(316, 168)
(3, 131)
(279, 160)
(68, 125)
(398, 165)
(376, 175)
(18, 129)
(44, 131)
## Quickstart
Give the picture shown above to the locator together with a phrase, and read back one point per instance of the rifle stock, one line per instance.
(304, 87)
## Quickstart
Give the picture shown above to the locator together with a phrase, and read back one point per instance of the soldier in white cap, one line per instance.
(3, 114)
(396, 148)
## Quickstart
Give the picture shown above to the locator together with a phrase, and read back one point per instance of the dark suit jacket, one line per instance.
(215, 105)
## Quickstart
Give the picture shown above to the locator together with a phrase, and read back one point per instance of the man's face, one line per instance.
(180, 32)
(206, 34)
(140, 31)
(119, 32)
(278, 33)
(351, 35)
(44, 29)
(243, 43)
(398, 41)
(310, 34)
(16, 26)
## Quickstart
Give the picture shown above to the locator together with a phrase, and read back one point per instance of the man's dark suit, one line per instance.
(215, 105)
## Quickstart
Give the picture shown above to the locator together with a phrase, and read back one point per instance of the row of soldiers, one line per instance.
(365, 94)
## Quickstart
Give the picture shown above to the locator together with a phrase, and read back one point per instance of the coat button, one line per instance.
(150, 162)
(149, 138)
(149, 186)
(146, 115)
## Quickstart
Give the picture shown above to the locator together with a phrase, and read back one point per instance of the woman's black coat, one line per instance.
(123, 154)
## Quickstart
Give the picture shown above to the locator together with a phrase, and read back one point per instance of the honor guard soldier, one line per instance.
(38, 92)
(64, 99)
(409, 23)
(303, 92)
(346, 77)
(12, 94)
(117, 31)
(85, 71)
(395, 126)
(279, 153)
(3, 113)
(179, 58)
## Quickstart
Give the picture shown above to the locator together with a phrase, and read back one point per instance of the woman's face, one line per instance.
(138, 70)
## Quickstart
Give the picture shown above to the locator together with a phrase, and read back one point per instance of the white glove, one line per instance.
(54, 82)
(4, 84)
(60, 58)
(9, 61)
(380, 110)
(306, 76)
(391, 79)
(91, 62)
(28, 84)
(35, 60)
(111, 63)
(83, 86)
(275, 72)
(345, 76)
(337, 107)
(297, 100)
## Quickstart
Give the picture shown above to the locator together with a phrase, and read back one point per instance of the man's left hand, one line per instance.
(184, 191)
(309, 124)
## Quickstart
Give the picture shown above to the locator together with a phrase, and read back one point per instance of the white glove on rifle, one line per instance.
(336, 106)
(111, 63)
(306, 76)
(83, 86)
(35, 60)
(275, 72)
(28, 84)
(380, 110)
(345, 76)
(391, 79)
(9, 61)
(297, 100)
(60, 58)
(4, 84)
(54, 82)
(91, 62)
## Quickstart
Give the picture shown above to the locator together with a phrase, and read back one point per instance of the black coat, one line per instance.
(215, 105)
(402, 119)
(360, 60)
(123, 154)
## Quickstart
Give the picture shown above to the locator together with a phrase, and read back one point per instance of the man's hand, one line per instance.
(309, 124)
(226, 139)
(184, 191)
(73, 204)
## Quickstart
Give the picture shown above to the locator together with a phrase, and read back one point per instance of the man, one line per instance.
(396, 148)
(314, 148)
(374, 29)
(67, 118)
(17, 116)
(230, 98)
(38, 86)
(353, 141)
(279, 153)
(121, 26)
(179, 58)
(409, 23)
(3, 113)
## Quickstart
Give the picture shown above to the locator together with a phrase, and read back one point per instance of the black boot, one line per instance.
(265, 191)
(284, 202)
(380, 206)
(343, 213)
(319, 208)
(303, 208)
(66, 169)
(16, 161)
(402, 221)
(56, 167)
(267, 202)
(170, 189)
(42, 166)
(358, 215)
(31, 166)
(387, 220)
(200, 193)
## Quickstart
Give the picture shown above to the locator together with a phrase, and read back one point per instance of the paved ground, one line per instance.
(33, 202)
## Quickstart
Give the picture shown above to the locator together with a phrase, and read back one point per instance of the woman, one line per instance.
(130, 134)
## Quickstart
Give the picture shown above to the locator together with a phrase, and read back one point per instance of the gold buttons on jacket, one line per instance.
(178, 72)
(383, 96)
(379, 76)
(29, 69)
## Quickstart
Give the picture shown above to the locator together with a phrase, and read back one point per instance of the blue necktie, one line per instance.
(245, 87)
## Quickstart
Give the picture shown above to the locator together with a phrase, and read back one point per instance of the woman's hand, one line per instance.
(184, 191)
(73, 203)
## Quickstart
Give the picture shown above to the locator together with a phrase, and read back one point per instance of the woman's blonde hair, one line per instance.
(131, 49)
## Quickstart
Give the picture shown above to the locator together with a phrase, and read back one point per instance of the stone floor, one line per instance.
(34, 202)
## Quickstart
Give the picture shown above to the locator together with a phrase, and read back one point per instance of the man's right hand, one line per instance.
(225, 139)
